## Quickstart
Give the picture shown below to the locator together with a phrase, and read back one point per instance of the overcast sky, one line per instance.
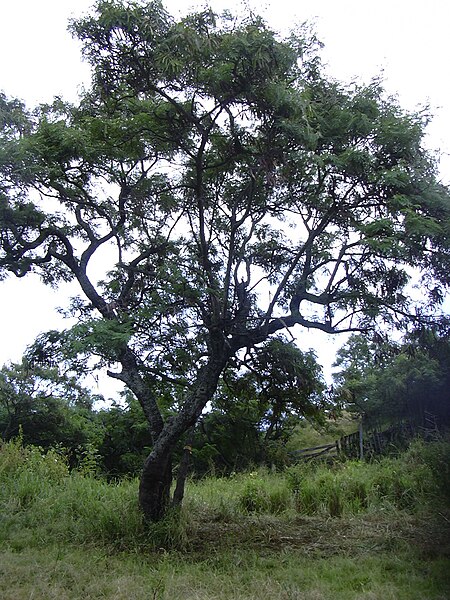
(406, 40)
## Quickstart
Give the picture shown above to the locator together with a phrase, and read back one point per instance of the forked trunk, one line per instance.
(154, 488)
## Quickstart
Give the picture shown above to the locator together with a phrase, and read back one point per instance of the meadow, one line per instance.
(346, 530)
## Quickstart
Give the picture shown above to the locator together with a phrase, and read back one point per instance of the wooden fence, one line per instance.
(314, 452)
(362, 444)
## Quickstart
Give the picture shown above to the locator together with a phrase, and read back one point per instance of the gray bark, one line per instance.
(154, 489)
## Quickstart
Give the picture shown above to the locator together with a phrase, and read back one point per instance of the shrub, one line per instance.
(254, 498)
(16, 458)
(433, 460)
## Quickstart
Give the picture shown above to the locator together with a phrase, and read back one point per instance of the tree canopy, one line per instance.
(210, 189)
(386, 382)
(45, 407)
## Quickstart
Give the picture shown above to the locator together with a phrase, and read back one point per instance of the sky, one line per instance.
(406, 41)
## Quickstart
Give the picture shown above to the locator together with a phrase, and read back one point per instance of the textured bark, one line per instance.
(154, 488)
(183, 469)
(131, 375)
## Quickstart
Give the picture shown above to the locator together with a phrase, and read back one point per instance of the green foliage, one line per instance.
(256, 409)
(307, 435)
(279, 131)
(99, 337)
(434, 457)
(125, 439)
(386, 382)
(47, 467)
(43, 504)
(50, 408)
(88, 461)
(408, 482)
(42, 501)
(339, 571)
(259, 497)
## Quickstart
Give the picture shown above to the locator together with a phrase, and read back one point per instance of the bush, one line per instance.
(434, 458)
(16, 459)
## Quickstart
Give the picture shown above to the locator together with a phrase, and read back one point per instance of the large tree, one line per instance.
(210, 189)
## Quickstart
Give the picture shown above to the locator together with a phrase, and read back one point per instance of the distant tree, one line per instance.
(431, 346)
(222, 190)
(47, 407)
(386, 382)
(280, 381)
(358, 367)
(259, 402)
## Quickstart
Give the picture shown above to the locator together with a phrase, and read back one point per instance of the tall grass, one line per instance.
(409, 482)
(41, 500)
(71, 535)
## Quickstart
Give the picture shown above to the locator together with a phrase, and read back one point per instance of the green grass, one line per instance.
(348, 531)
(72, 573)
(413, 481)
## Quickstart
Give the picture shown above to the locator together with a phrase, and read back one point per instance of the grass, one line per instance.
(418, 478)
(348, 531)
(71, 573)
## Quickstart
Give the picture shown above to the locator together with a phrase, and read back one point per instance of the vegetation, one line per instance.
(227, 191)
(386, 382)
(348, 531)
(252, 418)
(48, 407)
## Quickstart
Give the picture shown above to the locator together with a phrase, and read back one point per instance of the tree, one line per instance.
(386, 382)
(275, 382)
(257, 405)
(223, 190)
(47, 407)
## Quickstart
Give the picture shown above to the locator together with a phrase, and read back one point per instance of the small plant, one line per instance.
(254, 498)
(335, 505)
(89, 460)
(170, 533)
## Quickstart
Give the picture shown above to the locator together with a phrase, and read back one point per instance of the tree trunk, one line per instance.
(183, 469)
(154, 487)
(154, 490)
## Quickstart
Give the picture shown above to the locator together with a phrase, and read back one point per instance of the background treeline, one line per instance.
(387, 382)
(278, 402)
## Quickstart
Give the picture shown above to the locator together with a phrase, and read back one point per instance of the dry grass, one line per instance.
(314, 536)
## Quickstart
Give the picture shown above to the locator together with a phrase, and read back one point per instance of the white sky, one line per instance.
(406, 39)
